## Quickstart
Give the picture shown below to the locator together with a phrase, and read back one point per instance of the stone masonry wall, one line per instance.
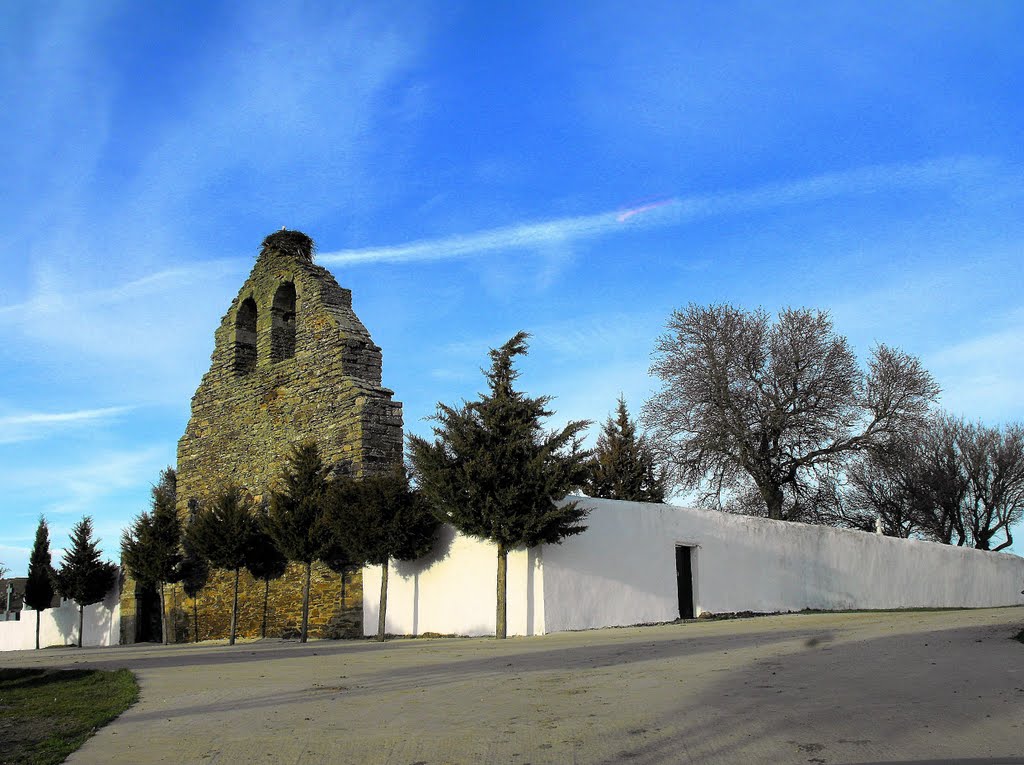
(335, 605)
(316, 376)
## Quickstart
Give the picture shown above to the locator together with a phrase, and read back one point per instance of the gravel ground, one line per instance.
(921, 687)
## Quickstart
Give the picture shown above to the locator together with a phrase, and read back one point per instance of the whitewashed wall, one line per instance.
(622, 571)
(59, 626)
(454, 591)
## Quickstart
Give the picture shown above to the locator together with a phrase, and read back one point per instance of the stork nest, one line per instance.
(293, 243)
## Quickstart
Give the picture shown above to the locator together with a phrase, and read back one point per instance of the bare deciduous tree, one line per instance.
(950, 481)
(993, 463)
(940, 482)
(915, 485)
(748, 404)
(882, 485)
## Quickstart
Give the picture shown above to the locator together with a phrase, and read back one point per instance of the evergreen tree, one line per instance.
(150, 547)
(379, 518)
(334, 556)
(221, 534)
(493, 472)
(265, 562)
(39, 589)
(194, 573)
(296, 518)
(83, 577)
(624, 466)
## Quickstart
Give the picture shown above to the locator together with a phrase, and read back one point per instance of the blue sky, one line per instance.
(472, 169)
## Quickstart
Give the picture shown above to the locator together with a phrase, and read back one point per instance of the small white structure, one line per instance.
(640, 563)
(59, 626)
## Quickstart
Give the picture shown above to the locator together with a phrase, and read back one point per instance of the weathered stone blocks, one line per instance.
(291, 363)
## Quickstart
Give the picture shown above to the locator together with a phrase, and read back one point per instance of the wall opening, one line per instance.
(282, 332)
(684, 581)
(147, 614)
(245, 337)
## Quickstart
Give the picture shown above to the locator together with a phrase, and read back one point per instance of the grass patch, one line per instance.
(46, 714)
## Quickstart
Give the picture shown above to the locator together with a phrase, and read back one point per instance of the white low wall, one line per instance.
(622, 571)
(454, 591)
(59, 626)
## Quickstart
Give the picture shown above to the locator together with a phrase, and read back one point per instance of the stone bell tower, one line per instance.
(291, 363)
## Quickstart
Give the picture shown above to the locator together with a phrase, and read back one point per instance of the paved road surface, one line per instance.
(905, 687)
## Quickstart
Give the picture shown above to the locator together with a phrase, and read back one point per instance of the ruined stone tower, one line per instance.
(291, 363)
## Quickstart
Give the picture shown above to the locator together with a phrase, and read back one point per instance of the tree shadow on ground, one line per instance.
(24, 679)
(881, 701)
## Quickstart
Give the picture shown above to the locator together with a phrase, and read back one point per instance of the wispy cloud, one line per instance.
(78, 487)
(671, 212)
(109, 484)
(25, 427)
(984, 375)
(52, 295)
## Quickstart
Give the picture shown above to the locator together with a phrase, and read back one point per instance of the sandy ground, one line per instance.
(906, 687)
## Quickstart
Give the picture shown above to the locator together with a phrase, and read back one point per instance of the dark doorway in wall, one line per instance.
(684, 581)
(147, 614)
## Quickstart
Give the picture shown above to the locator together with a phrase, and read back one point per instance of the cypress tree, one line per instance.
(624, 466)
(379, 518)
(296, 518)
(194, 573)
(265, 562)
(493, 472)
(83, 577)
(221, 534)
(151, 546)
(39, 589)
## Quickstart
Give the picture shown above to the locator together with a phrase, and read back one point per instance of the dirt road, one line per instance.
(944, 686)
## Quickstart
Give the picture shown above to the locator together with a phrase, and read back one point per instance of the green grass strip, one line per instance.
(46, 714)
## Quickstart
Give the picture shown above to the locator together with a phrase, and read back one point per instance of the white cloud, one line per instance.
(983, 377)
(120, 288)
(31, 425)
(110, 485)
(670, 212)
(78, 488)
(54, 293)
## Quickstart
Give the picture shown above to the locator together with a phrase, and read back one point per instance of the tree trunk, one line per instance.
(37, 629)
(382, 615)
(499, 622)
(195, 616)
(266, 602)
(234, 611)
(774, 498)
(163, 614)
(81, 623)
(305, 603)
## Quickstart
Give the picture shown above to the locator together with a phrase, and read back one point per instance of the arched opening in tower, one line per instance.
(245, 337)
(282, 335)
